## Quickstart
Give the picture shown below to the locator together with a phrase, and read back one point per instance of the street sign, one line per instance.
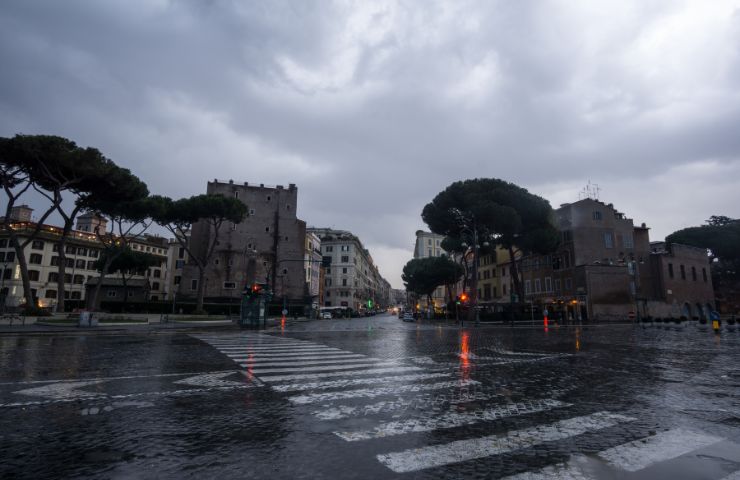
(285, 312)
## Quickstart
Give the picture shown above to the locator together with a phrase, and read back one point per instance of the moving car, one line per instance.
(408, 317)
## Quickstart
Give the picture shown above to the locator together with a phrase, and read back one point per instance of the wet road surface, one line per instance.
(374, 398)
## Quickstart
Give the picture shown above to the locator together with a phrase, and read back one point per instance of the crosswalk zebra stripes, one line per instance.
(339, 386)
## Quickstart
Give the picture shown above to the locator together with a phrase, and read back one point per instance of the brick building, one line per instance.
(267, 246)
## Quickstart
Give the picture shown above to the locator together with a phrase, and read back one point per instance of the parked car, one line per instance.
(326, 316)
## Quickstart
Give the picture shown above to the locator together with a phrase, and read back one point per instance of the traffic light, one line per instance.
(370, 303)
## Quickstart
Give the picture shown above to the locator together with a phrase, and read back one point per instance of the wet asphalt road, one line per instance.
(374, 398)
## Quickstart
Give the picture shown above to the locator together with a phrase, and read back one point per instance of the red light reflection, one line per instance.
(465, 355)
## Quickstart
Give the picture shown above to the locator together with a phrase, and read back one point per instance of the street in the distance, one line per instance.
(374, 397)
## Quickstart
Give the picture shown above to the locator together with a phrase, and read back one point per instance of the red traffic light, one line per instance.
(256, 288)
(464, 297)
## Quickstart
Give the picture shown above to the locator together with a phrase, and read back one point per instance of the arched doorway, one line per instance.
(686, 310)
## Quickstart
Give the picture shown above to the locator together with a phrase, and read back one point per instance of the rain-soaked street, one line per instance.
(373, 398)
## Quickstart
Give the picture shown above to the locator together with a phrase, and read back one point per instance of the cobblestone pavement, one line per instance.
(374, 398)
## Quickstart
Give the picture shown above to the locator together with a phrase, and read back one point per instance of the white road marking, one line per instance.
(62, 390)
(423, 401)
(732, 476)
(260, 371)
(294, 360)
(304, 362)
(377, 392)
(463, 450)
(663, 446)
(570, 470)
(313, 351)
(294, 387)
(256, 345)
(298, 356)
(450, 420)
(210, 380)
(280, 348)
(102, 379)
(310, 376)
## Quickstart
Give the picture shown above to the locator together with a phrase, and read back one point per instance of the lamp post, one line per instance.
(474, 282)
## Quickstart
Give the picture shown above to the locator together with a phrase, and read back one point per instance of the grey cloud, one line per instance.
(372, 108)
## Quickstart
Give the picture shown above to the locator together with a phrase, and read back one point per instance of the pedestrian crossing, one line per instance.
(367, 399)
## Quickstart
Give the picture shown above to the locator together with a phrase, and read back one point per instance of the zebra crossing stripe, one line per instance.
(305, 362)
(336, 354)
(634, 456)
(310, 376)
(462, 450)
(423, 401)
(260, 371)
(283, 351)
(560, 471)
(451, 419)
(377, 392)
(260, 359)
(294, 387)
(275, 347)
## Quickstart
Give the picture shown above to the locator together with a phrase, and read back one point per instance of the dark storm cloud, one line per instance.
(374, 107)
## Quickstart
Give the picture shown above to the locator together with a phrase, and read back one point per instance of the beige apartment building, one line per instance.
(352, 278)
(429, 245)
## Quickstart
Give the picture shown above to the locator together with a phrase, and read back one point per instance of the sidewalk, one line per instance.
(35, 325)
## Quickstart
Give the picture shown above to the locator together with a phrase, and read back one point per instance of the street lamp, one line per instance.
(474, 283)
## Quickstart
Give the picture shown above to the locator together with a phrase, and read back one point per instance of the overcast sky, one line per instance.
(373, 107)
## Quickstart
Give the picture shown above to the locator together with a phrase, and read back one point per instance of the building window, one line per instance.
(693, 273)
(35, 259)
(3, 242)
(215, 262)
(683, 273)
(53, 277)
(180, 252)
(629, 241)
(269, 198)
(704, 273)
(236, 194)
(82, 251)
(596, 215)
(93, 253)
(155, 286)
(33, 275)
(76, 295)
(344, 282)
(537, 285)
(548, 284)
(37, 245)
(91, 265)
(568, 284)
(227, 285)
(194, 284)
(70, 262)
(345, 259)
(344, 270)
(157, 273)
(670, 270)
(51, 293)
(81, 264)
(608, 240)
(503, 289)
(79, 279)
(8, 273)
(111, 294)
(527, 287)
(329, 248)
(70, 249)
(557, 285)
(267, 229)
(131, 293)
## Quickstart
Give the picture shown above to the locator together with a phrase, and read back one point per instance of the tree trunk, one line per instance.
(92, 303)
(62, 284)
(201, 288)
(20, 255)
(474, 283)
(515, 277)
